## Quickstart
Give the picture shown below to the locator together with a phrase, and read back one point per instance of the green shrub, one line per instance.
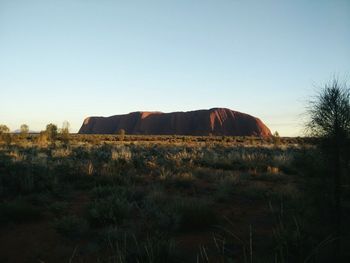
(25, 179)
(111, 210)
(51, 132)
(179, 213)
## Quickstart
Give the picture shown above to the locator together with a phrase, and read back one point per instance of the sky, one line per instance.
(70, 59)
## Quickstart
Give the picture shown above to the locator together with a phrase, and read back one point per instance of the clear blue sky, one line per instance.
(69, 59)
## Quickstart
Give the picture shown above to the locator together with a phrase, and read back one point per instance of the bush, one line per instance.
(179, 213)
(23, 179)
(111, 210)
(121, 134)
(5, 136)
(51, 132)
(24, 130)
(64, 132)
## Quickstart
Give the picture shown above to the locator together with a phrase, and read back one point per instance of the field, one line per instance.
(163, 199)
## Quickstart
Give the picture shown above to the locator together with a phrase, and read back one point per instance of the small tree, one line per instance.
(65, 132)
(276, 138)
(24, 130)
(329, 121)
(42, 138)
(5, 134)
(51, 132)
(121, 133)
(4, 129)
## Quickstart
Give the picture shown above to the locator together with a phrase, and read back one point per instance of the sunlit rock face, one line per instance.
(216, 121)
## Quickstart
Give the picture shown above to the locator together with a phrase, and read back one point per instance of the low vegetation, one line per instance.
(124, 198)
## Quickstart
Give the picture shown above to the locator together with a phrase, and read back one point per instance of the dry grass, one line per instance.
(155, 189)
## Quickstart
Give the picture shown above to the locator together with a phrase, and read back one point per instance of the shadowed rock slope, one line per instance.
(216, 121)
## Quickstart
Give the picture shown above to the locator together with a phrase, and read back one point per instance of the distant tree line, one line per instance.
(49, 135)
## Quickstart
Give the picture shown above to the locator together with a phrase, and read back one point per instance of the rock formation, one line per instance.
(216, 121)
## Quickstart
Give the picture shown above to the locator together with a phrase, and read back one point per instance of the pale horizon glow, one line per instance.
(71, 59)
